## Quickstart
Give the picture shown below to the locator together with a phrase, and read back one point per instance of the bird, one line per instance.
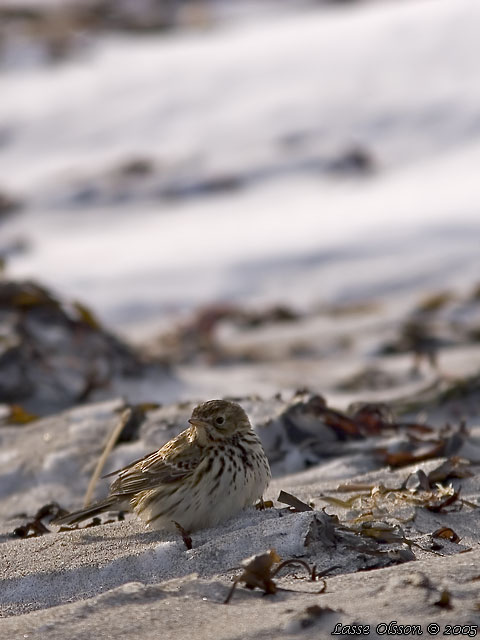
(207, 474)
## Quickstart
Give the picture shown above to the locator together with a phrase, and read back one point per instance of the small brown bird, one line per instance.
(204, 476)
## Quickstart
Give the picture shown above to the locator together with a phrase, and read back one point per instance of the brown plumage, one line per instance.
(200, 478)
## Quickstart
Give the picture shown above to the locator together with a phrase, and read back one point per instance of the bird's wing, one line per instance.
(173, 462)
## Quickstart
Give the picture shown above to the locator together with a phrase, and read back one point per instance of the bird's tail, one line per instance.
(82, 514)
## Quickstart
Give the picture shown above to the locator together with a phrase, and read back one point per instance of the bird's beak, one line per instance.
(198, 423)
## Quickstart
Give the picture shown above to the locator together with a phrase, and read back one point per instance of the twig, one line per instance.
(112, 439)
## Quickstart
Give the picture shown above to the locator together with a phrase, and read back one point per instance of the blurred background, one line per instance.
(191, 168)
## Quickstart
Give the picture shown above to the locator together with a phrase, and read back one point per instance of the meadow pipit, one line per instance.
(205, 475)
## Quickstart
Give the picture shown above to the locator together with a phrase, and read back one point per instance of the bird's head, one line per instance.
(219, 419)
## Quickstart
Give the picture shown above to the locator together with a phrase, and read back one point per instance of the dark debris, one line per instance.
(54, 355)
(260, 570)
(35, 527)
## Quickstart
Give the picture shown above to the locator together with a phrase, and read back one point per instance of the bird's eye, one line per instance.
(220, 420)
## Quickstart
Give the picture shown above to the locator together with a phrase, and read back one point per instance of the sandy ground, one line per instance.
(120, 578)
(324, 160)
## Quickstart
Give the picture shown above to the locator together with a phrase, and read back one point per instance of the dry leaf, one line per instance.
(447, 533)
(294, 502)
(258, 572)
(438, 507)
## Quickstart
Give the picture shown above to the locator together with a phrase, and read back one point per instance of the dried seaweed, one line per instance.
(18, 415)
(94, 522)
(374, 418)
(308, 417)
(423, 443)
(55, 355)
(86, 315)
(383, 500)
(447, 533)
(439, 506)
(259, 571)
(198, 336)
(264, 504)
(345, 504)
(34, 527)
(322, 530)
(374, 502)
(411, 454)
(445, 600)
(382, 532)
(295, 503)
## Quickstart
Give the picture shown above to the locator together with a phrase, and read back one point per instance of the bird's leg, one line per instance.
(185, 535)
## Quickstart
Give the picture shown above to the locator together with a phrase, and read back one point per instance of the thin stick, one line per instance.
(112, 439)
